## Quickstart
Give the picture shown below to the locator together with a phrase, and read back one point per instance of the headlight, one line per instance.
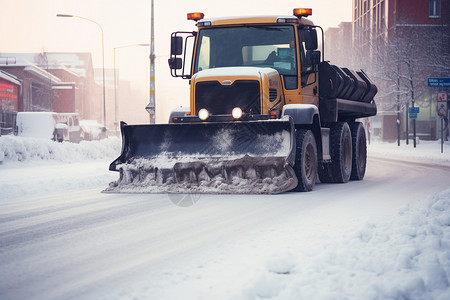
(203, 114)
(236, 113)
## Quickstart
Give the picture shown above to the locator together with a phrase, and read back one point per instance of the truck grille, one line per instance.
(220, 99)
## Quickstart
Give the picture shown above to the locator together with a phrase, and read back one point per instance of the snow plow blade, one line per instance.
(253, 157)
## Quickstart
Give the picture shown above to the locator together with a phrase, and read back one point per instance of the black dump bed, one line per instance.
(345, 94)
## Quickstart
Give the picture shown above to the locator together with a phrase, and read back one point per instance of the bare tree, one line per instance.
(43, 92)
(400, 63)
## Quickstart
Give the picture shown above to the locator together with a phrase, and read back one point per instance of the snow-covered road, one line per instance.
(64, 239)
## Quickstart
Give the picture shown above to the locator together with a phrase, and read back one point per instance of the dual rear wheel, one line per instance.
(348, 153)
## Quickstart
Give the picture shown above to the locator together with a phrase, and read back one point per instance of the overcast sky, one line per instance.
(32, 26)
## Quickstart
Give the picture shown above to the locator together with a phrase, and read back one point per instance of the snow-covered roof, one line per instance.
(70, 71)
(76, 63)
(9, 77)
(32, 68)
(64, 86)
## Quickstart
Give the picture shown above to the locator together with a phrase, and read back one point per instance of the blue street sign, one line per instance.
(414, 110)
(439, 82)
(412, 115)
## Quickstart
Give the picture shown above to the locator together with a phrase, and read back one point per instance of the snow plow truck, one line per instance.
(267, 113)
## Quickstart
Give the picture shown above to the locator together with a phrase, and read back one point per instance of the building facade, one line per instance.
(402, 43)
(58, 82)
(10, 91)
(338, 44)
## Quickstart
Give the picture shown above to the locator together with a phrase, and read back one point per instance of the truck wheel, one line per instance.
(359, 151)
(340, 168)
(305, 160)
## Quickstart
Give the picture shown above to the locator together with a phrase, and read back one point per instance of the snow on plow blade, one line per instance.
(253, 157)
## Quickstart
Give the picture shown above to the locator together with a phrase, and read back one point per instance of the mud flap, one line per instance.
(232, 157)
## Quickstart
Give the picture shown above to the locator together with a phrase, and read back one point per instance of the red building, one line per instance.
(375, 18)
(59, 82)
(10, 91)
(403, 43)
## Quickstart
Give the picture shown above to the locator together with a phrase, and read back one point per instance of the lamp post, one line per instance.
(151, 105)
(103, 59)
(115, 80)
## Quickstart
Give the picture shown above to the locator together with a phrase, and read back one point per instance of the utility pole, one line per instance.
(151, 105)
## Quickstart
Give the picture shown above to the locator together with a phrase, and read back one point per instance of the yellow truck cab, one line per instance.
(257, 46)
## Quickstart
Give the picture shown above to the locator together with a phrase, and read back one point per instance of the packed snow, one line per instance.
(241, 175)
(287, 246)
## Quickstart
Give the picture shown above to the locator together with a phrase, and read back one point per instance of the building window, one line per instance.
(435, 8)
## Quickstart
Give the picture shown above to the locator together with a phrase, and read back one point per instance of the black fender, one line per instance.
(301, 113)
(306, 116)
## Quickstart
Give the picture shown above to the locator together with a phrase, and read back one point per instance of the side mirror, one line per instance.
(175, 63)
(311, 39)
(176, 45)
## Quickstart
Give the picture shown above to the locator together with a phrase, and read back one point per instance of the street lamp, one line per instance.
(103, 59)
(115, 80)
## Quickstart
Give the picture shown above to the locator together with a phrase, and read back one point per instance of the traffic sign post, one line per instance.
(442, 108)
(442, 104)
(413, 112)
(439, 82)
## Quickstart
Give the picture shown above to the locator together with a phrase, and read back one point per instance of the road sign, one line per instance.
(442, 104)
(439, 82)
(412, 115)
(414, 110)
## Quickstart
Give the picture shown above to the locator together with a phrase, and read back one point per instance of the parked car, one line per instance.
(92, 130)
(49, 125)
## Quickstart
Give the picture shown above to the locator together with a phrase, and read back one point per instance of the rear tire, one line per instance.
(359, 151)
(305, 160)
(340, 168)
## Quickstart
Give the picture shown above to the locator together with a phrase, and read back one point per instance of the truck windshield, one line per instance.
(256, 46)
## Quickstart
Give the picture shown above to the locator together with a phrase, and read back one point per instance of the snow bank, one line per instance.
(404, 257)
(30, 166)
(19, 149)
(36, 124)
(429, 150)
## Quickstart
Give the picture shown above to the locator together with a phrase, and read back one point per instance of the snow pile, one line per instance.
(243, 175)
(36, 124)
(405, 257)
(18, 149)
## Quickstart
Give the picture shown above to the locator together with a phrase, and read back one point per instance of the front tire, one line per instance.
(305, 160)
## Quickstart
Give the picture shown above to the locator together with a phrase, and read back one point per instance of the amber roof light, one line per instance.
(195, 16)
(302, 12)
